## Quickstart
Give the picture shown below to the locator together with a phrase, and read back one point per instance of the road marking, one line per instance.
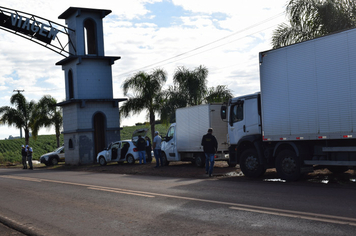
(302, 215)
(123, 192)
(233, 206)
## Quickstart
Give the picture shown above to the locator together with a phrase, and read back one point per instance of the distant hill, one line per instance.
(10, 150)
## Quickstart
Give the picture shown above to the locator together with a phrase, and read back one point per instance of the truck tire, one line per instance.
(230, 165)
(288, 165)
(200, 160)
(164, 159)
(250, 164)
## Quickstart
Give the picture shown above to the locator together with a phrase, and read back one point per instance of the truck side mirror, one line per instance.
(223, 112)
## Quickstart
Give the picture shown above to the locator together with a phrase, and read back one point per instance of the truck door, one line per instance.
(171, 148)
(237, 125)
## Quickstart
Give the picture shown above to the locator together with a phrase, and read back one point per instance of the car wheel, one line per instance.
(250, 164)
(164, 159)
(130, 159)
(102, 161)
(53, 161)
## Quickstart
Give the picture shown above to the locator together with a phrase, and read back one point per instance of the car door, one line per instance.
(115, 151)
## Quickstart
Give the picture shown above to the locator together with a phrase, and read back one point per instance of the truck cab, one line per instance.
(243, 117)
(169, 146)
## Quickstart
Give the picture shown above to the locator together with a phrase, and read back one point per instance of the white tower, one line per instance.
(91, 117)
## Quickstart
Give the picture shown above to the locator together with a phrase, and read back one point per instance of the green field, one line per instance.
(10, 150)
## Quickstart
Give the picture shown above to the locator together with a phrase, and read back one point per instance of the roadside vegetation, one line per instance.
(10, 150)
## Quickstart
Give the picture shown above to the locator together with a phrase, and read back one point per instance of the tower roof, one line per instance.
(73, 10)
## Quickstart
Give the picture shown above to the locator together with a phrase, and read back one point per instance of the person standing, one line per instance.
(157, 149)
(210, 147)
(24, 155)
(29, 156)
(141, 147)
(148, 149)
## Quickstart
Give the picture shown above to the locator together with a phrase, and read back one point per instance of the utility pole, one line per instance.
(19, 91)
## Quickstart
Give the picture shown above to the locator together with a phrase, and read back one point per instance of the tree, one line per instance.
(191, 84)
(219, 93)
(147, 90)
(189, 90)
(20, 116)
(46, 114)
(309, 19)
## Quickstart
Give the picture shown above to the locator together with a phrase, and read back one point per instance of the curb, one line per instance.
(18, 227)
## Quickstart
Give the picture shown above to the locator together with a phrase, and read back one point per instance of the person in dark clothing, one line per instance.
(141, 147)
(148, 150)
(29, 156)
(24, 156)
(210, 147)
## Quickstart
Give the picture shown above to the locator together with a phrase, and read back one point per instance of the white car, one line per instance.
(124, 150)
(54, 157)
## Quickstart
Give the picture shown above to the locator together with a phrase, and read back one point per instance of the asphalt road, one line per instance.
(48, 202)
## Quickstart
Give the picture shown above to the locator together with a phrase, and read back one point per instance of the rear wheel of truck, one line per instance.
(250, 164)
(288, 165)
(200, 160)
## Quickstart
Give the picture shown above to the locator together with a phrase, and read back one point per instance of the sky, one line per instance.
(225, 36)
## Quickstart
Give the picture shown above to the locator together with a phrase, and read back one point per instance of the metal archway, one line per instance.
(44, 32)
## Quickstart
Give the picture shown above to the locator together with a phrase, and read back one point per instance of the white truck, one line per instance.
(305, 115)
(183, 139)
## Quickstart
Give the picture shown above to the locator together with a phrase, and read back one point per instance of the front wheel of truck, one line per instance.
(250, 164)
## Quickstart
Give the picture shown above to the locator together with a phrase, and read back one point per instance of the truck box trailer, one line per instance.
(183, 139)
(305, 115)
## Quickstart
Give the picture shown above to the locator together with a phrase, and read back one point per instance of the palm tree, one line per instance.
(219, 93)
(147, 91)
(191, 84)
(314, 18)
(21, 116)
(46, 114)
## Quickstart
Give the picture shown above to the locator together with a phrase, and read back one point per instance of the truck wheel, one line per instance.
(130, 159)
(164, 159)
(338, 169)
(230, 165)
(200, 160)
(250, 164)
(288, 165)
(53, 161)
(102, 161)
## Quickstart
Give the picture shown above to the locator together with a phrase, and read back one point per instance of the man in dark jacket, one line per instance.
(210, 147)
(141, 147)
